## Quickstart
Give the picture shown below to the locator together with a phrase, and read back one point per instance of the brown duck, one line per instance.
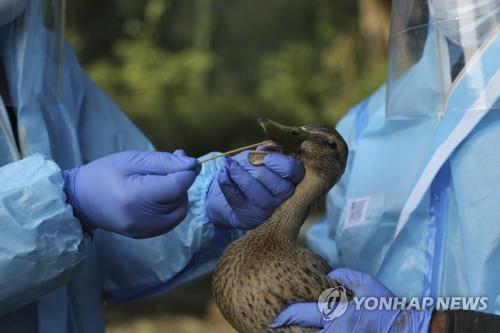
(265, 270)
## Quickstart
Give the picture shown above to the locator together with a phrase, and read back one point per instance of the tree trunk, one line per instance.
(374, 19)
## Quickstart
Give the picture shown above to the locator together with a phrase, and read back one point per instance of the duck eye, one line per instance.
(332, 144)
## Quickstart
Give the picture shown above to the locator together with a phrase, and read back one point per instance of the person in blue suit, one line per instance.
(88, 209)
(417, 212)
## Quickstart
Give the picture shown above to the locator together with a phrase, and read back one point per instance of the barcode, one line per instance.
(356, 211)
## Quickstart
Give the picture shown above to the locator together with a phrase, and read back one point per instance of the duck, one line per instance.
(266, 269)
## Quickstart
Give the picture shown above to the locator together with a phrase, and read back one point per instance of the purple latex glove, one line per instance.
(357, 320)
(137, 194)
(244, 196)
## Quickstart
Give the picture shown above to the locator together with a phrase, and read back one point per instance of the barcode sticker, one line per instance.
(356, 211)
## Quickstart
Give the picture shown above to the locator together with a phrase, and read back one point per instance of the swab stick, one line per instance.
(233, 151)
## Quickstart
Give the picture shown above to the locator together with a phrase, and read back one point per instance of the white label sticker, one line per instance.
(356, 211)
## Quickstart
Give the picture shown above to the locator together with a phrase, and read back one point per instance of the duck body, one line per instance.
(258, 275)
(265, 270)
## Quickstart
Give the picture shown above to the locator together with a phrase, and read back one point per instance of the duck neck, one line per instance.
(286, 221)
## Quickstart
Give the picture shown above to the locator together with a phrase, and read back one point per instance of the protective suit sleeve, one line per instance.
(141, 268)
(41, 243)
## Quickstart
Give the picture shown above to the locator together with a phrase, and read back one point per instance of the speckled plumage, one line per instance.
(253, 283)
(265, 270)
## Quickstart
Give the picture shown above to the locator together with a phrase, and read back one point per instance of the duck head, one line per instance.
(320, 148)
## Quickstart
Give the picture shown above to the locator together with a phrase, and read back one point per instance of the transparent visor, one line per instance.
(31, 51)
(430, 44)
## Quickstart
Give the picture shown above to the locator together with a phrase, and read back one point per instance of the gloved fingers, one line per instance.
(166, 189)
(229, 189)
(218, 210)
(236, 223)
(161, 163)
(361, 284)
(233, 198)
(326, 329)
(285, 166)
(302, 314)
(278, 186)
(347, 277)
(160, 224)
(177, 215)
(250, 187)
(180, 152)
(169, 207)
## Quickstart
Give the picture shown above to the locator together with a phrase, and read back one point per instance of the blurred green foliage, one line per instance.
(195, 74)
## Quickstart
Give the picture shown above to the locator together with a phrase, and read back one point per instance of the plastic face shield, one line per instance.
(32, 52)
(430, 44)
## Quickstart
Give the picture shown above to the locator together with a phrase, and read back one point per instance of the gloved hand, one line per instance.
(357, 320)
(244, 196)
(137, 194)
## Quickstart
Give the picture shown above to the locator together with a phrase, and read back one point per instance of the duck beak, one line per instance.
(287, 137)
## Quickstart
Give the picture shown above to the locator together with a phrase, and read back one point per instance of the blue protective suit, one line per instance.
(418, 205)
(52, 277)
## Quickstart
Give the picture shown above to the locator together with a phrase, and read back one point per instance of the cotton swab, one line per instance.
(230, 152)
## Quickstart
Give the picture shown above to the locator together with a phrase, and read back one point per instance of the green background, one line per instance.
(195, 74)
